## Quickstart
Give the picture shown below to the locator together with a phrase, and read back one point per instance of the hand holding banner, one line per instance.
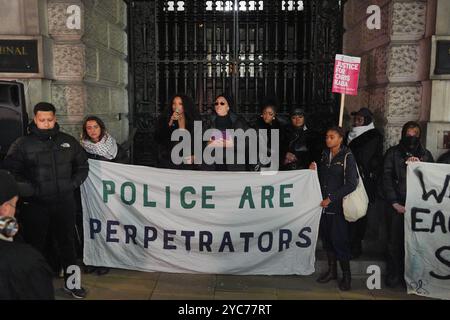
(151, 219)
(427, 228)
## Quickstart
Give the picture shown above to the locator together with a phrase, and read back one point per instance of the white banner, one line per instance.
(149, 219)
(427, 230)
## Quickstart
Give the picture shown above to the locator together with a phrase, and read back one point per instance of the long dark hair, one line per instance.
(190, 111)
(99, 121)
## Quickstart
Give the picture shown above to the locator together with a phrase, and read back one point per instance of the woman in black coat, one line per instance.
(396, 161)
(181, 113)
(300, 144)
(268, 121)
(338, 177)
(224, 119)
(366, 144)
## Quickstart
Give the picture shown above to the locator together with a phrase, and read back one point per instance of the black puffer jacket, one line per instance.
(368, 151)
(394, 175)
(51, 162)
(334, 182)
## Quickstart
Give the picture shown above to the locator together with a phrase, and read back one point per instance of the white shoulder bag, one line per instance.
(356, 203)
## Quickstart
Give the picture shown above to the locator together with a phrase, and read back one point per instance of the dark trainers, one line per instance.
(76, 293)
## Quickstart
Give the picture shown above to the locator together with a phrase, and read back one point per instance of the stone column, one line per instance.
(68, 92)
(394, 81)
(90, 68)
(408, 95)
(106, 75)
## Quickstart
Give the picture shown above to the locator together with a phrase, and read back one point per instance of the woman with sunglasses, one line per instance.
(181, 113)
(224, 119)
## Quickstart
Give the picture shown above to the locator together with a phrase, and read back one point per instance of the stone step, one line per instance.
(358, 266)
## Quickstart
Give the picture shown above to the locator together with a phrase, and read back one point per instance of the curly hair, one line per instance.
(190, 111)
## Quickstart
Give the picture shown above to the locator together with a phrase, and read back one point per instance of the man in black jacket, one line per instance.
(394, 183)
(51, 164)
(24, 273)
(366, 144)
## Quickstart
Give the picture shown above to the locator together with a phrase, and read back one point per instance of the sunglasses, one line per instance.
(221, 103)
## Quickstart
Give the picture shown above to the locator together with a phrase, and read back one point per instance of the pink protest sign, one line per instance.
(346, 75)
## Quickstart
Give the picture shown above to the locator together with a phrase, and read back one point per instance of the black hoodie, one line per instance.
(394, 172)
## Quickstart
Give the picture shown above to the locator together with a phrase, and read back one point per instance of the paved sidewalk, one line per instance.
(126, 285)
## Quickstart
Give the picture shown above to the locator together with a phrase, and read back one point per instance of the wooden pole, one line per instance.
(341, 113)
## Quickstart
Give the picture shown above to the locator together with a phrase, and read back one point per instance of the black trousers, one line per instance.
(53, 221)
(335, 235)
(396, 242)
(357, 230)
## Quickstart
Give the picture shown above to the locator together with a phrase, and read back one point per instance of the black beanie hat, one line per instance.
(366, 113)
(8, 187)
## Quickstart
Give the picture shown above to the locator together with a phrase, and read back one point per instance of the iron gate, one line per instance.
(251, 49)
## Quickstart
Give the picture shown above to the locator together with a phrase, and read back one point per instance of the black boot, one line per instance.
(356, 250)
(331, 273)
(345, 283)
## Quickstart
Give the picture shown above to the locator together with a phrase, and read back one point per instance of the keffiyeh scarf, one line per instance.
(106, 147)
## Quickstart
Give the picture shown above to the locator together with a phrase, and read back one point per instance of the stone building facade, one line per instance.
(86, 69)
(397, 81)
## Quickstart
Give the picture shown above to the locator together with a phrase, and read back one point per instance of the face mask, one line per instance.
(8, 226)
(410, 142)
